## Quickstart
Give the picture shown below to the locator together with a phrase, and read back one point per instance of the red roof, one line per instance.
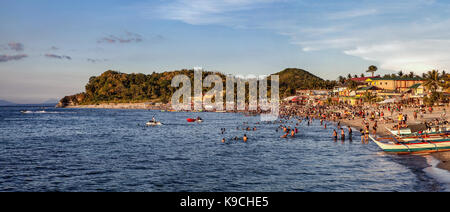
(362, 79)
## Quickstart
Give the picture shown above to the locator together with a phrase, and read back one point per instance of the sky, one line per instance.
(50, 48)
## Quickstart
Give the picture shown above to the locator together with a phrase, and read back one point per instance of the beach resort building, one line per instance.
(394, 84)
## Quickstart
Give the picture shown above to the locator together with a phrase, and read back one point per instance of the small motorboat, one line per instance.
(194, 120)
(153, 123)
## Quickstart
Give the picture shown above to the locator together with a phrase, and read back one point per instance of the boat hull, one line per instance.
(438, 145)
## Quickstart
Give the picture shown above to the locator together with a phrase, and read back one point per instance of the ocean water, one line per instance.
(49, 149)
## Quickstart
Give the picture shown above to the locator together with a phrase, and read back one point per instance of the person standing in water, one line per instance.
(335, 134)
(342, 134)
(245, 138)
(362, 135)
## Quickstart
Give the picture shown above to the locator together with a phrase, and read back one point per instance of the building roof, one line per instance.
(368, 88)
(362, 79)
(415, 85)
(398, 78)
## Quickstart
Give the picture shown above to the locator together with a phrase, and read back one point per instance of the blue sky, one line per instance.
(49, 49)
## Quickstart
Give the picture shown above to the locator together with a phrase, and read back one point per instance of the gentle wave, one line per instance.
(441, 175)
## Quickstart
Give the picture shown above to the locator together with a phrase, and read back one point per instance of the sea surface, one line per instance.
(49, 149)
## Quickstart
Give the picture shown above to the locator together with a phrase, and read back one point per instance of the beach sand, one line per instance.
(444, 160)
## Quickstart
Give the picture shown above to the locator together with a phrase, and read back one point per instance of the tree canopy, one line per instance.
(116, 87)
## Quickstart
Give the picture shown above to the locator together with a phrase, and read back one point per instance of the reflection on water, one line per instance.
(111, 150)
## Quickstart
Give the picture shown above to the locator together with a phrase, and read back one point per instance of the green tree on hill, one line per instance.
(116, 87)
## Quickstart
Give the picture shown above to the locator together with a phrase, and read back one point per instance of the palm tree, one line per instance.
(411, 74)
(372, 69)
(349, 76)
(400, 73)
(352, 85)
(362, 75)
(433, 80)
(369, 96)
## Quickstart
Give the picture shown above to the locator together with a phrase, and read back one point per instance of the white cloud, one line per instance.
(398, 35)
(352, 14)
(410, 55)
(198, 12)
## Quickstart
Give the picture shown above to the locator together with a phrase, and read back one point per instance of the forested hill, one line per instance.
(116, 87)
(292, 79)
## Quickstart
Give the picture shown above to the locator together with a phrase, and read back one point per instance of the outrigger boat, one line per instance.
(416, 145)
(419, 129)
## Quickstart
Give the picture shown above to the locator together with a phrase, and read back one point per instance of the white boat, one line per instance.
(418, 129)
(153, 123)
(400, 146)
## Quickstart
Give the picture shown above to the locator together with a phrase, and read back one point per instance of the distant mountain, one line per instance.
(6, 103)
(51, 101)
